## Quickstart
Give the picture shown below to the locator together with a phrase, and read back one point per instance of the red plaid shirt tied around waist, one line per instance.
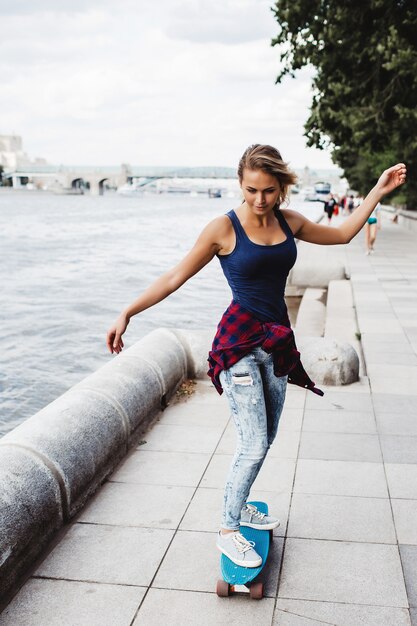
(239, 332)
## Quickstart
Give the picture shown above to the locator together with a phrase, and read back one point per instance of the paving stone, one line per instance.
(204, 512)
(201, 574)
(340, 446)
(405, 519)
(413, 615)
(163, 607)
(193, 413)
(177, 438)
(395, 424)
(339, 422)
(162, 468)
(276, 475)
(305, 613)
(285, 618)
(409, 562)
(181, 569)
(295, 397)
(392, 403)
(335, 571)
(337, 401)
(397, 449)
(402, 480)
(152, 506)
(291, 419)
(286, 445)
(107, 554)
(398, 379)
(69, 603)
(390, 358)
(341, 518)
(391, 341)
(375, 325)
(345, 478)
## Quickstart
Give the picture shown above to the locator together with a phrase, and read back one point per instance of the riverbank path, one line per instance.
(342, 477)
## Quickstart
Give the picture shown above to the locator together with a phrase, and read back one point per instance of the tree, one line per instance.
(364, 105)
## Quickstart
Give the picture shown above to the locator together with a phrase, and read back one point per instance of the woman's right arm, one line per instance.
(207, 245)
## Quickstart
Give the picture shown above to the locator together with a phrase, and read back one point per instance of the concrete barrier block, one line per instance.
(317, 265)
(30, 512)
(311, 313)
(75, 442)
(197, 344)
(329, 362)
(340, 312)
(81, 436)
(316, 274)
(162, 349)
(133, 386)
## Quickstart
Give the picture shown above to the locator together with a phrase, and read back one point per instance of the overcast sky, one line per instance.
(165, 82)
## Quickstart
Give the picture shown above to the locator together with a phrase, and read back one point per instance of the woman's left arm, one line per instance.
(309, 231)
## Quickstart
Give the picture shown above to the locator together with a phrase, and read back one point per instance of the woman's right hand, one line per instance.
(114, 334)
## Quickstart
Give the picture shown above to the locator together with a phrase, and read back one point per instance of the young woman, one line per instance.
(253, 353)
(329, 207)
(373, 223)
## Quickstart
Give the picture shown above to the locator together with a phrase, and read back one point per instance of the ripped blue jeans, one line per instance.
(256, 397)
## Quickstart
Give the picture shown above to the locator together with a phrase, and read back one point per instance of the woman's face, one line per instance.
(260, 190)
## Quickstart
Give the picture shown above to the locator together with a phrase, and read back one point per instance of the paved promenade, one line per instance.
(342, 477)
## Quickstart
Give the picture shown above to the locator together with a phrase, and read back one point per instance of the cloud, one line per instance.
(148, 83)
(228, 22)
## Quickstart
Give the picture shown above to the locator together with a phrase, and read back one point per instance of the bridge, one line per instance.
(77, 179)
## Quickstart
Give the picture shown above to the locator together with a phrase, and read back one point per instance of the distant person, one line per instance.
(350, 204)
(372, 225)
(329, 207)
(253, 353)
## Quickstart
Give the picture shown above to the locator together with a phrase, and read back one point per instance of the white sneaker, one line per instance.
(238, 549)
(253, 518)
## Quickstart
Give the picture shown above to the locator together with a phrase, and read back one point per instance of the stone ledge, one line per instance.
(53, 462)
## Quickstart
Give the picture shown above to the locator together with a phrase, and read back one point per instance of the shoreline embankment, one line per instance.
(52, 463)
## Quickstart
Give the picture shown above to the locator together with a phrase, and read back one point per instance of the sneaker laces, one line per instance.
(254, 511)
(242, 544)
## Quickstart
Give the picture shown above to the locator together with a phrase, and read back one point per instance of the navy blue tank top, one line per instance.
(257, 273)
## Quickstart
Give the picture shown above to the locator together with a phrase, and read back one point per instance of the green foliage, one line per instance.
(364, 105)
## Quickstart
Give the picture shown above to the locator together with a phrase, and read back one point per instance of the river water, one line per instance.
(70, 264)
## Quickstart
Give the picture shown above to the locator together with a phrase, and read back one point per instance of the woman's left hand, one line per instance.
(391, 178)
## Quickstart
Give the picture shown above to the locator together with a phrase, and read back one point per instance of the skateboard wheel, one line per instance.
(256, 591)
(222, 589)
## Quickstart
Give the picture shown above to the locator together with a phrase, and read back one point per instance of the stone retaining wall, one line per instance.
(55, 460)
(406, 219)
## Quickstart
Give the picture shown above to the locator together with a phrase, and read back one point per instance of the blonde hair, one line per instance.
(268, 159)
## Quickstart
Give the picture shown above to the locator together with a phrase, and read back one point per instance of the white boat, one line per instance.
(130, 189)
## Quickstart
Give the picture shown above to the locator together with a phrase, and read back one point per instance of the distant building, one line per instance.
(12, 155)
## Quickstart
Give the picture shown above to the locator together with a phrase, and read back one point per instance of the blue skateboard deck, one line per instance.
(236, 576)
